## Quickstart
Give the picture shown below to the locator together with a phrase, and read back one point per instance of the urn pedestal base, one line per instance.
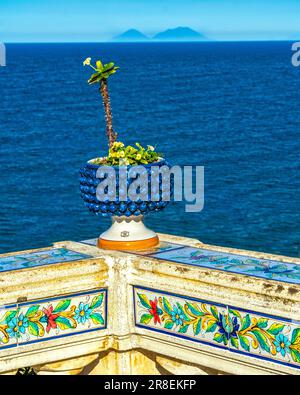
(128, 234)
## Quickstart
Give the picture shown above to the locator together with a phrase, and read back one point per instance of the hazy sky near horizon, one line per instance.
(96, 20)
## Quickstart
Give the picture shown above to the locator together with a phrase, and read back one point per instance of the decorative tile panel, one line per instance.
(232, 263)
(90, 242)
(53, 318)
(239, 264)
(182, 317)
(39, 258)
(237, 330)
(8, 334)
(265, 336)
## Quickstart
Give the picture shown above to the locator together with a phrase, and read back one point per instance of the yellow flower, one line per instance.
(138, 157)
(122, 154)
(87, 61)
(118, 144)
(150, 148)
(130, 149)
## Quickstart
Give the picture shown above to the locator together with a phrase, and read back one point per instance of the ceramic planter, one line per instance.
(127, 231)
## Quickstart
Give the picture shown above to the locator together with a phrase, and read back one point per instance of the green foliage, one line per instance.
(146, 318)
(167, 306)
(184, 328)
(214, 312)
(194, 309)
(234, 342)
(97, 318)
(97, 301)
(262, 323)
(9, 315)
(33, 328)
(63, 323)
(218, 337)
(144, 301)
(197, 327)
(102, 72)
(119, 155)
(262, 339)
(169, 324)
(211, 326)
(296, 336)
(295, 355)
(246, 322)
(235, 313)
(62, 306)
(244, 342)
(275, 329)
(31, 312)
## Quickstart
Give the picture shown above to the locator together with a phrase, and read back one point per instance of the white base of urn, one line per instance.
(128, 233)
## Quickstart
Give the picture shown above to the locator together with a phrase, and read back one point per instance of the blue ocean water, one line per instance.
(231, 107)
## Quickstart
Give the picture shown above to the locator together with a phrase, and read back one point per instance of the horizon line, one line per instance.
(149, 41)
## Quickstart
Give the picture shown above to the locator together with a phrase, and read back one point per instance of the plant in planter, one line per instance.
(127, 184)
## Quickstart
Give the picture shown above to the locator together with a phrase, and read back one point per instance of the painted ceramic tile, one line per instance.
(90, 242)
(274, 270)
(183, 317)
(270, 337)
(8, 332)
(39, 258)
(162, 247)
(45, 319)
(240, 331)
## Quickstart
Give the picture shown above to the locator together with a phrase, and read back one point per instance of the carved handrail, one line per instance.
(184, 307)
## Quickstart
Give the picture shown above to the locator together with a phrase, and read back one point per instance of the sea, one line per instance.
(232, 107)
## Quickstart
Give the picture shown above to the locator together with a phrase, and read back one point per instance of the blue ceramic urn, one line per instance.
(128, 230)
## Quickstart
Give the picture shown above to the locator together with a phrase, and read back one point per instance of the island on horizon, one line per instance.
(131, 35)
(176, 34)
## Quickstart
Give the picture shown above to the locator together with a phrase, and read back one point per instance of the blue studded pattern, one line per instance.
(88, 187)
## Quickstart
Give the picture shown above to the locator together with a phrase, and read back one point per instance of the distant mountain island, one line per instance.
(131, 35)
(177, 34)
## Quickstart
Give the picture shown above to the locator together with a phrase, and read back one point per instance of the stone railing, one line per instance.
(183, 308)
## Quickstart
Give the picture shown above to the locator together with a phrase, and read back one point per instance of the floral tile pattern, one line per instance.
(266, 336)
(7, 337)
(263, 268)
(48, 319)
(39, 258)
(254, 334)
(234, 263)
(204, 322)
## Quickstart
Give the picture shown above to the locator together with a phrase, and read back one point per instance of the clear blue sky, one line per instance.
(96, 20)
